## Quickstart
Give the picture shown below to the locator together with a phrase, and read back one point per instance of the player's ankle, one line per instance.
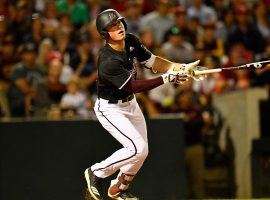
(120, 184)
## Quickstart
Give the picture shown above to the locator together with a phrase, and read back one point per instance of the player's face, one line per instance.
(117, 31)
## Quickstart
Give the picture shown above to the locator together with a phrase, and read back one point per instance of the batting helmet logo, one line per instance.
(112, 16)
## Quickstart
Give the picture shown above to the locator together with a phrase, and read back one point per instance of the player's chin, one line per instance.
(120, 37)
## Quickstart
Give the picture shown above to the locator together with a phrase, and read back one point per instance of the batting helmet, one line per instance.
(107, 18)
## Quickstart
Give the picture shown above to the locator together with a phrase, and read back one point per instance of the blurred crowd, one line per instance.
(49, 48)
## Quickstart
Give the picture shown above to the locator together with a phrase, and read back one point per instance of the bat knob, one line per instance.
(257, 65)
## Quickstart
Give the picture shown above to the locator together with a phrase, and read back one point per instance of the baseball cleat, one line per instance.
(94, 184)
(123, 195)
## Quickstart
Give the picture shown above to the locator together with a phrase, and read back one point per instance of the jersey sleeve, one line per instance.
(115, 73)
(142, 53)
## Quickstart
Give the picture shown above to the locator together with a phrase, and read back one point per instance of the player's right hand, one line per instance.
(190, 67)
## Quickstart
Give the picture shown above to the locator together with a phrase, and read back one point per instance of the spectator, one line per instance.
(75, 98)
(21, 17)
(5, 73)
(195, 30)
(8, 51)
(176, 48)
(226, 26)
(95, 7)
(84, 64)
(77, 10)
(220, 8)
(35, 34)
(49, 30)
(245, 32)
(148, 39)
(238, 55)
(39, 6)
(201, 11)
(44, 50)
(212, 45)
(24, 78)
(180, 21)
(118, 5)
(3, 28)
(159, 20)
(64, 46)
(261, 20)
(65, 24)
(49, 90)
(50, 18)
(133, 15)
(4, 7)
(233, 4)
(8, 58)
(185, 3)
(95, 40)
(4, 111)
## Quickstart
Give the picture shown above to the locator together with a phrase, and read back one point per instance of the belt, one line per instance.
(129, 98)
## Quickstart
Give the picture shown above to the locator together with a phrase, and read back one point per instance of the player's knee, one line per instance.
(142, 152)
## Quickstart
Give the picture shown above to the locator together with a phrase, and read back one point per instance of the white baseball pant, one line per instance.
(126, 123)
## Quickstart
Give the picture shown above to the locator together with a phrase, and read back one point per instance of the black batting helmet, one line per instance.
(107, 18)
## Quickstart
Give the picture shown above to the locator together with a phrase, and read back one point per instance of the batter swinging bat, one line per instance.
(205, 71)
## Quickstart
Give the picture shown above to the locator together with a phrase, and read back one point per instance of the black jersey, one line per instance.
(116, 68)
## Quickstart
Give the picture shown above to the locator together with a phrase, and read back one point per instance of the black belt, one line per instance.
(129, 98)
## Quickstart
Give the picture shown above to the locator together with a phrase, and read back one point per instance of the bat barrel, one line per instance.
(206, 71)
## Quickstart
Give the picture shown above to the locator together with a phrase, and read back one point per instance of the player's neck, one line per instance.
(117, 45)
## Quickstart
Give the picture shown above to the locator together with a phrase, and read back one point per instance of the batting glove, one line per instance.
(188, 69)
(174, 77)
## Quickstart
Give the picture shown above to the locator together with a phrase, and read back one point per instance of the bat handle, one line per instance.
(206, 71)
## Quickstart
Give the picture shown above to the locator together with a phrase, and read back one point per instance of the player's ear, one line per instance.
(105, 34)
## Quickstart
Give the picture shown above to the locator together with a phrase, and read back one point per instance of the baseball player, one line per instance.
(116, 107)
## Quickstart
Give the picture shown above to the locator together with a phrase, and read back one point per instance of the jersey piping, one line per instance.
(123, 135)
(125, 82)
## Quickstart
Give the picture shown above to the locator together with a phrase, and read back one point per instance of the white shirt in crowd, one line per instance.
(77, 101)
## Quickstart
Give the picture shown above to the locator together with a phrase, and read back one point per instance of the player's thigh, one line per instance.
(120, 127)
(139, 122)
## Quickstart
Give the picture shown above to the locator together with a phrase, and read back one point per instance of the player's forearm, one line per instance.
(161, 64)
(136, 86)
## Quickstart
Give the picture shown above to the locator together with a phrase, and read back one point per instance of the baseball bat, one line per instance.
(256, 65)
